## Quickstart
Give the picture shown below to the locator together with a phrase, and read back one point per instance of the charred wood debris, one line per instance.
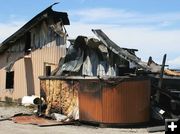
(109, 59)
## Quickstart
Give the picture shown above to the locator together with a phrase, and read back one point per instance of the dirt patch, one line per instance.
(9, 109)
(9, 127)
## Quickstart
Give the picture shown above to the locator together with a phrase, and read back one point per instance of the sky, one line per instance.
(151, 26)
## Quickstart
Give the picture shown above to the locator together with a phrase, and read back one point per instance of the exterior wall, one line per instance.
(47, 48)
(20, 85)
(114, 102)
(24, 74)
(44, 56)
(118, 101)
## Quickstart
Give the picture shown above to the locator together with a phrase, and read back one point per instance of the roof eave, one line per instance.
(44, 14)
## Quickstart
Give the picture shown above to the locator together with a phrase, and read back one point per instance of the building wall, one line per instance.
(47, 49)
(47, 56)
(19, 85)
(24, 73)
(19, 80)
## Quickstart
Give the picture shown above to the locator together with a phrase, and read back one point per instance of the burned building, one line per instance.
(102, 82)
(95, 82)
(32, 51)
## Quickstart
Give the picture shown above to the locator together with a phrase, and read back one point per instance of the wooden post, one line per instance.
(162, 72)
(161, 77)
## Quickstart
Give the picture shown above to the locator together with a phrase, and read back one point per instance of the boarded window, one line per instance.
(9, 80)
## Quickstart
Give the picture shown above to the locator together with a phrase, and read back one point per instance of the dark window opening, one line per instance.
(28, 42)
(9, 80)
(125, 69)
(48, 70)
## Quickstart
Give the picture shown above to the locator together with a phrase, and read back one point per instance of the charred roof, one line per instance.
(48, 12)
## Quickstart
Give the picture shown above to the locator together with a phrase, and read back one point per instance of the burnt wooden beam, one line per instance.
(120, 51)
(162, 72)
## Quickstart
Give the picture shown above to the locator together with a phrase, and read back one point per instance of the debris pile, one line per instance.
(103, 58)
(91, 57)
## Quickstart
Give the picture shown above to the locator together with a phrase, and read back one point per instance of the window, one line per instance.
(9, 80)
(28, 42)
(48, 70)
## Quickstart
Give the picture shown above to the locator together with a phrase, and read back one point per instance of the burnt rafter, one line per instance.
(120, 51)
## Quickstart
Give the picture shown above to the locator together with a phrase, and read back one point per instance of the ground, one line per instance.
(9, 127)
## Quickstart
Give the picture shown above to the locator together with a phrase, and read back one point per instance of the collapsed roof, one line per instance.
(93, 57)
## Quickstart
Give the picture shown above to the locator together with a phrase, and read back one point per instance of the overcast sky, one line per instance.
(151, 26)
